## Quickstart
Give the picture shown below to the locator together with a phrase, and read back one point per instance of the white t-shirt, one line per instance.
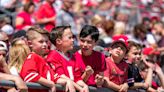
(14, 71)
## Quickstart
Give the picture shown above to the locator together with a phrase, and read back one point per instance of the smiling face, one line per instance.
(134, 55)
(87, 44)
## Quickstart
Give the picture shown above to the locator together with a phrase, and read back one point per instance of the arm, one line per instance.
(47, 83)
(69, 85)
(149, 76)
(77, 87)
(45, 20)
(99, 79)
(88, 71)
(18, 81)
(19, 21)
(160, 74)
(111, 85)
(83, 85)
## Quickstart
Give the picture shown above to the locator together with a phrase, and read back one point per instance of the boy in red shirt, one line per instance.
(92, 63)
(35, 68)
(117, 69)
(62, 62)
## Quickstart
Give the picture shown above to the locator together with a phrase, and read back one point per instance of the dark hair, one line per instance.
(138, 29)
(57, 32)
(89, 30)
(132, 43)
(142, 66)
(27, 6)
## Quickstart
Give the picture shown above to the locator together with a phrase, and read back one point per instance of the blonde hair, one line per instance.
(17, 55)
(32, 33)
(97, 19)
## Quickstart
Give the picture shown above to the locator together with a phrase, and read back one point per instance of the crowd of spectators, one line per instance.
(94, 32)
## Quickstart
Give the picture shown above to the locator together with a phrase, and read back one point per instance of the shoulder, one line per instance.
(33, 56)
(53, 53)
(98, 55)
(53, 56)
(77, 53)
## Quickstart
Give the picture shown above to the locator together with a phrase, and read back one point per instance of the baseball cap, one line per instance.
(3, 46)
(19, 34)
(120, 39)
(150, 51)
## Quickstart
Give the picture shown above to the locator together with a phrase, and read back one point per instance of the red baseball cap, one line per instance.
(150, 51)
(120, 39)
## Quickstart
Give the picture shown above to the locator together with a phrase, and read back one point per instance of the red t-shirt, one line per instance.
(117, 73)
(27, 20)
(63, 65)
(34, 68)
(96, 61)
(46, 11)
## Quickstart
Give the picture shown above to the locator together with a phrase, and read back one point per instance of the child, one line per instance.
(17, 56)
(60, 60)
(19, 38)
(144, 72)
(3, 54)
(4, 71)
(135, 80)
(35, 68)
(92, 63)
(117, 69)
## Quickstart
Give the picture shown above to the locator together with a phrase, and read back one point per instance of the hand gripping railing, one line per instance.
(59, 87)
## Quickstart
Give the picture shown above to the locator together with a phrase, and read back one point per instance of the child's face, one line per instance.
(3, 53)
(134, 55)
(40, 44)
(118, 50)
(67, 39)
(143, 73)
(87, 44)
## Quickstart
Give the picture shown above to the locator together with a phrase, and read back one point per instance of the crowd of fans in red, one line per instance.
(115, 44)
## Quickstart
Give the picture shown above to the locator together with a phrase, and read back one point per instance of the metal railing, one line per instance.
(59, 87)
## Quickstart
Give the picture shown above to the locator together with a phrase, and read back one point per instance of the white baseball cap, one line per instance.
(3, 46)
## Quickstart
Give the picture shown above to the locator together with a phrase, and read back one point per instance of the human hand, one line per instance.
(89, 70)
(99, 80)
(157, 68)
(149, 64)
(124, 87)
(145, 85)
(69, 86)
(160, 89)
(12, 90)
(85, 89)
(51, 19)
(20, 84)
(53, 88)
